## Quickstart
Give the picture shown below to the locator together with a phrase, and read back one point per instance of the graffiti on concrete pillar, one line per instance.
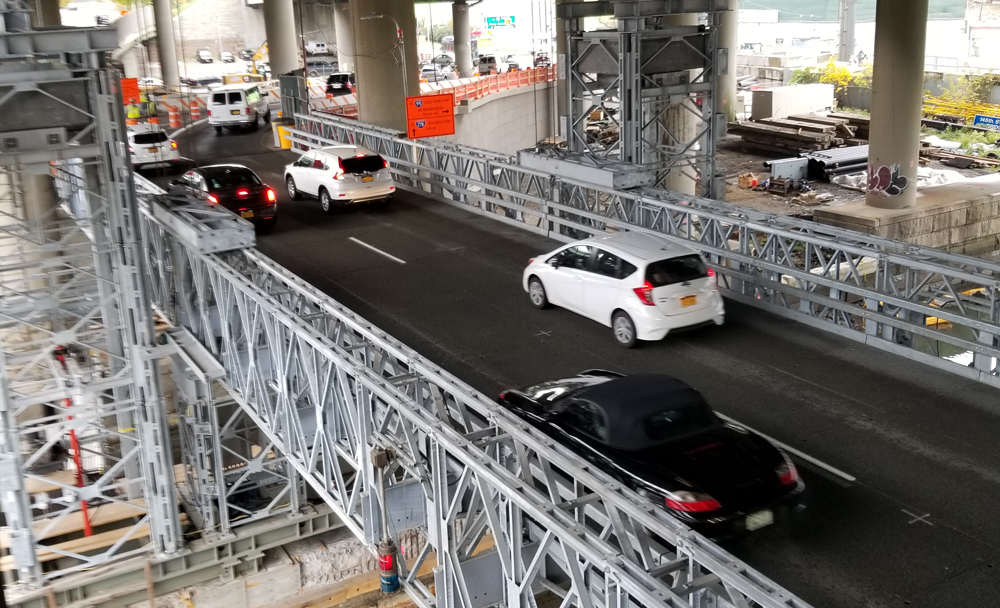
(886, 180)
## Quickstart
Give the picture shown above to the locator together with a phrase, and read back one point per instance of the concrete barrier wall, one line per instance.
(506, 121)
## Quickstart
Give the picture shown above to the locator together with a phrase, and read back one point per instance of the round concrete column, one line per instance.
(279, 25)
(682, 124)
(897, 88)
(345, 36)
(725, 99)
(164, 18)
(463, 49)
(381, 90)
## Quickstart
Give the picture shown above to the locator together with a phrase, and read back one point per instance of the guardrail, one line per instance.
(924, 304)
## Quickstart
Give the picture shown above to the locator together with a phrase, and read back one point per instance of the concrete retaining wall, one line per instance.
(506, 121)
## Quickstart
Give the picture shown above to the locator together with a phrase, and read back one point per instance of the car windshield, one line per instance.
(150, 138)
(337, 79)
(679, 420)
(363, 164)
(676, 270)
(231, 178)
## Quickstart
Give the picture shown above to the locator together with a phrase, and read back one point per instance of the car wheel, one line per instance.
(255, 123)
(536, 292)
(325, 201)
(624, 329)
(267, 116)
(313, 73)
(293, 191)
(218, 130)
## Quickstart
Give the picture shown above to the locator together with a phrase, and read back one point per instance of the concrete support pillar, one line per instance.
(725, 100)
(345, 36)
(40, 204)
(47, 13)
(164, 18)
(463, 49)
(382, 68)
(897, 87)
(282, 42)
(682, 124)
(563, 81)
(848, 25)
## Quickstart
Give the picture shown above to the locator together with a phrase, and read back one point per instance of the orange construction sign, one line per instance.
(130, 91)
(430, 115)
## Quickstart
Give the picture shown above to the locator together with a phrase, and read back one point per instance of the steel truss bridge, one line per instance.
(282, 394)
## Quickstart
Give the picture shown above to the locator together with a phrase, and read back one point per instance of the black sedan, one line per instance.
(657, 435)
(236, 188)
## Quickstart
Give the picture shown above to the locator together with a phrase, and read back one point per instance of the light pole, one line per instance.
(402, 46)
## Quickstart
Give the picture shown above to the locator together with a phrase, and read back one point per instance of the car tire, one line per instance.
(293, 191)
(218, 130)
(313, 73)
(536, 293)
(267, 116)
(623, 329)
(255, 123)
(325, 201)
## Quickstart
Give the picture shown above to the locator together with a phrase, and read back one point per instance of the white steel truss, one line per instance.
(939, 308)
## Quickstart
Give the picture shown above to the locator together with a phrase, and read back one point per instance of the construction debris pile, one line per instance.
(601, 130)
(804, 132)
(949, 153)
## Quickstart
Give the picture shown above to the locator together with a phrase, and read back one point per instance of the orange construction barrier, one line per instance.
(195, 109)
(174, 115)
(153, 120)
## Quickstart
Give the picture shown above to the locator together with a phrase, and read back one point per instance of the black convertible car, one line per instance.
(658, 435)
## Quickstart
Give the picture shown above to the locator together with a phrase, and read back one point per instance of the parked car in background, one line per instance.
(488, 64)
(149, 82)
(658, 436)
(205, 56)
(314, 47)
(246, 54)
(149, 146)
(237, 105)
(227, 57)
(339, 175)
(542, 60)
(341, 83)
(234, 187)
(318, 67)
(443, 59)
(640, 285)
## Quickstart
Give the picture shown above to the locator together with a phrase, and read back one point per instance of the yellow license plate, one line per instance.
(368, 178)
(152, 150)
(689, 300)
(246, 213)
(234, 112)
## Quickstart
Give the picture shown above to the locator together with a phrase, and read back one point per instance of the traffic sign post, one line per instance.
(988, 122)
(430, 115)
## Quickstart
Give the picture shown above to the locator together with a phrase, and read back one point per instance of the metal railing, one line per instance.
(924, 304)
(134, 26)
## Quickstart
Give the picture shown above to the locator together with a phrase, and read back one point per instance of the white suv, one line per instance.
(237, 105)
(338, 175)
(149, 145)
(640, 285)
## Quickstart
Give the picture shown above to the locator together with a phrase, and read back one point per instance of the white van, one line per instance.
(237, 105)
(316, 48)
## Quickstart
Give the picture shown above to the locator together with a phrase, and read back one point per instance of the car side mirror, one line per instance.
(554, 263)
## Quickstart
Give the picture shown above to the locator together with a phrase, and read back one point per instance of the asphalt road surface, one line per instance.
(920, 524)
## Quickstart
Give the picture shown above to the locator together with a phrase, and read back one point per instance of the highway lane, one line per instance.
(919, 527)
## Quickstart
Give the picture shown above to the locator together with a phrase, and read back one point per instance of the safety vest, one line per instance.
(133, 111)
(150, 105)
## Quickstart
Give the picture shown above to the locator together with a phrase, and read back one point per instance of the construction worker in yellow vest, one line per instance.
(133, 112)
(147, 105)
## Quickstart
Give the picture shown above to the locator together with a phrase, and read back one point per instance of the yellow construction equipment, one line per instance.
(257, 56)
(959, 112)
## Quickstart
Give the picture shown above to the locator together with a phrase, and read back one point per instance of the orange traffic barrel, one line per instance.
(195, 109)
(174, 114)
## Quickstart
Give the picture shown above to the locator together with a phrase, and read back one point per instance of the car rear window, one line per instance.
(677, 421)
(676, 270)
(232, 178)
(150, 138)
(235, 97)
(363, 164)
(219, 99)
(337, 78)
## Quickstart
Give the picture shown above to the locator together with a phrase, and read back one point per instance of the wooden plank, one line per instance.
(100, 515)
(820, 120)
(797, 124)
(86, 544)
(49, 483)
(854, 119)
(778, 132)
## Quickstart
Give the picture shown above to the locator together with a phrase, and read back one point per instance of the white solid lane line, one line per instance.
(814, 461)
(377, 250)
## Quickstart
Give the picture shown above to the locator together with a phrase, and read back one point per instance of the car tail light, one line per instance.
(212, 199)
(713, 279)
(340, 169)
(242, 193)
(787, 473)
(530, 260)
(385, 163)
(271, 197)
(248, 111)
(173, 145)
(645, 293)
(503, 396)
(711, 273)
(691, 502)
(209, 112)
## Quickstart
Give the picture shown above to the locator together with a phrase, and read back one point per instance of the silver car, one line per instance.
(339, 175)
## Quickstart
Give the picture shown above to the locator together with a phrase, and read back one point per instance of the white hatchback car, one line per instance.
(339, 175)
(640, 285)
(149, 145)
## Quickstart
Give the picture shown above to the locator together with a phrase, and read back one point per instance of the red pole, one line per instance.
(75, 446)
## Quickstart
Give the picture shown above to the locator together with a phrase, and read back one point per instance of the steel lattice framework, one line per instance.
(928, 305)
(507, 514)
